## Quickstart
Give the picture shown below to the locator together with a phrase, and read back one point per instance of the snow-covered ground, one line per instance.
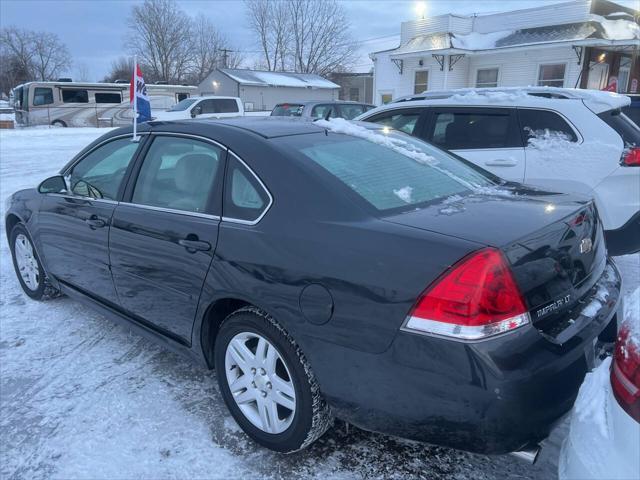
(81, 397)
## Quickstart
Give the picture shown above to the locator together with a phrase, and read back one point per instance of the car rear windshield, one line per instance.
(287, 110)
(406, 173)
(622, 124)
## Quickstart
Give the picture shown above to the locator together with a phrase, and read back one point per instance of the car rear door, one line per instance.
(73, 228)
(488, 137)
(164, 234)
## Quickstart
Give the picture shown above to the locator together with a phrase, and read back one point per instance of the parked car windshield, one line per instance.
(182, 105)
(287, 110)
(393, 172)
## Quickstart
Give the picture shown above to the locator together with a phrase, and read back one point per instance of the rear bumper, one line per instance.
(626, 239)
(493, 396)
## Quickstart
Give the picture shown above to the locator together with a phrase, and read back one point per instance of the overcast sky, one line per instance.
(95, 30)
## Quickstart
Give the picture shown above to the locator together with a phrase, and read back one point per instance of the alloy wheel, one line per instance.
(260, 382)
(27, 262)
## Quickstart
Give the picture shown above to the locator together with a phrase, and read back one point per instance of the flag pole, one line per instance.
(135, 99)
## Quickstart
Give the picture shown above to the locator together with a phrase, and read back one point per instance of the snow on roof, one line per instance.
(598, 101)
(278, 79)
(597, 28)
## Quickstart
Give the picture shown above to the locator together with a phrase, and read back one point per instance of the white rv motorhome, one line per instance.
(76, 104)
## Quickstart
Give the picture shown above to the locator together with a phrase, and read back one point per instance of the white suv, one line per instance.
(203, 107)
(565, 140)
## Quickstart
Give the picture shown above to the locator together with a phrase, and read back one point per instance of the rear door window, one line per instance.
(623, 125)
(178, 174)
(474, 128)
(225, 105)
(75, 96)
(406, 121)
(543, 123)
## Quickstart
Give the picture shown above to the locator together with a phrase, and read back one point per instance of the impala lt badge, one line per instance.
(585, 245)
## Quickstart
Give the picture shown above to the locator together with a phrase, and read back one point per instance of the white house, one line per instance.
(583, 43)
(262, 90)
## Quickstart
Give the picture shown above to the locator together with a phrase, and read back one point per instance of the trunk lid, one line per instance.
(553, 242)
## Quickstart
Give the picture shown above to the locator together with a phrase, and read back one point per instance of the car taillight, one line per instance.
(477, 298)
(631, 157)
(625, 374)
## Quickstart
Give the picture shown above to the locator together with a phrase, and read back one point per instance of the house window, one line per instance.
(421, 81)
(551, 75)
(354, 94)
(385, 98)
(487, 77)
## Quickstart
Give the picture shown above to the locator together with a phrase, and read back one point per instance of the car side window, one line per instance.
(351, 111)
(100, 173)
(404, 121)
(207, 106)
(474, 129)
(42, 96)
(543, 123)
(178, 173)
(245, 198)
(320, 111)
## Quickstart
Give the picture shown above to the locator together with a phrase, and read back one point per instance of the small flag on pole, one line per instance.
(139, 98)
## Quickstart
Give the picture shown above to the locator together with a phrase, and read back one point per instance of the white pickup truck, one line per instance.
(203, 107)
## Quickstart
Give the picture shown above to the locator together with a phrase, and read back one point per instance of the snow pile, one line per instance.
(404, 194)
(478, 41)
(591, 404)
(618, 29)
(492, 96)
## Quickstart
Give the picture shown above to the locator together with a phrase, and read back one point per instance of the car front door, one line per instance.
(164, 234)
(488, 137)
(73, 227)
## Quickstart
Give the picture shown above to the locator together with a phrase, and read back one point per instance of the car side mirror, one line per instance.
(55, 184)
(196, 111)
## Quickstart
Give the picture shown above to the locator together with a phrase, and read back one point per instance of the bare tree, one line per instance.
(160, 37)
(308, 36)
(50, 56)
(270, 21)
(321, 39)
(81, 72)
(207, 44)
(26, 55)
(121, 69)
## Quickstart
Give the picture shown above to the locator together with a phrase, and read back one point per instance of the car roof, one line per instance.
(597, 101)
(272, 127)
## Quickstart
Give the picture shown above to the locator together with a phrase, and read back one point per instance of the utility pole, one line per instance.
(225, 56)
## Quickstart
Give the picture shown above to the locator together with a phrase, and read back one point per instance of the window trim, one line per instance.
(266, 190)
(488, 67)
(428, 70)
(548, 64)
(576, 131)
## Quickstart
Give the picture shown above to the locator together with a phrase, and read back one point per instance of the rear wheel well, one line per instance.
(213, 318)
(12, 221)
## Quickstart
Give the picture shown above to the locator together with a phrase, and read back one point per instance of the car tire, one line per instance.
(28, 267)
(302, 416)
(58, 123)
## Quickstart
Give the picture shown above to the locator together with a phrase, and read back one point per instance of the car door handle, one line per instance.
(94, 222)
(501, 162)
(195, 245)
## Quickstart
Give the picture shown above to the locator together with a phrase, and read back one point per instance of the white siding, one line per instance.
(569, 12)
(439, 24)
(520, 68)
